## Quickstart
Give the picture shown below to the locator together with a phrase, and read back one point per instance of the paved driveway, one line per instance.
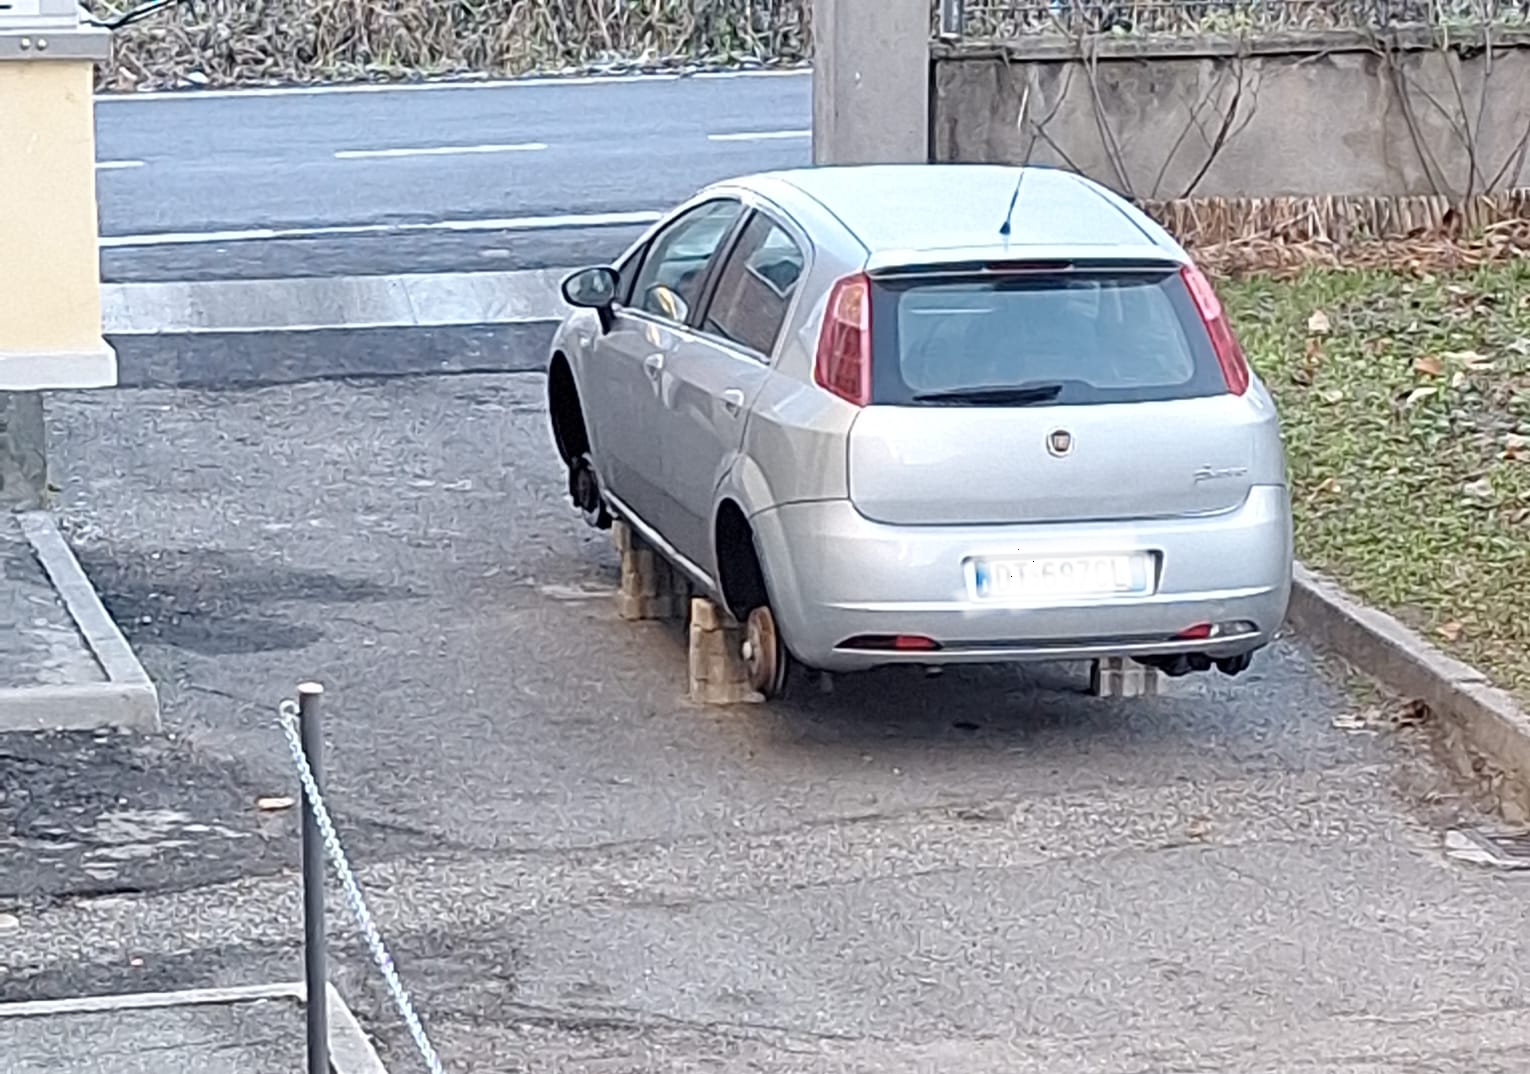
(580, 871)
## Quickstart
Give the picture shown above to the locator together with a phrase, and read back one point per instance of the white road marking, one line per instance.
(508, 223)
(551, 81)
(438, 151)
(409, 300)
(117, 165)
(759, 136)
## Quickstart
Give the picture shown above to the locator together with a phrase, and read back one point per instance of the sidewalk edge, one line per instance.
(350, 1049)
(1480, 720)
(127, 699)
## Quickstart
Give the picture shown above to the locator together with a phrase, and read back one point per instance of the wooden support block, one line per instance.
(717, 675)
(1123, 677)
(622, 537)
(650, 588)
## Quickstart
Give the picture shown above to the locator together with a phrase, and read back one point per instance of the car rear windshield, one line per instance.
(1061, 338)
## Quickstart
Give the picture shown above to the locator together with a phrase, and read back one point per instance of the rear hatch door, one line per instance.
(1054, 393)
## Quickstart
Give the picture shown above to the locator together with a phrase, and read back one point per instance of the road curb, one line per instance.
(1480, 721)
(127, 698)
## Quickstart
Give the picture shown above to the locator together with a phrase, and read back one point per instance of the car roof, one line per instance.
(945, 206)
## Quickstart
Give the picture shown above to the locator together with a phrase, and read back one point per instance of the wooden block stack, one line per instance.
(1122, 677)
(650, 588)
(717, 672)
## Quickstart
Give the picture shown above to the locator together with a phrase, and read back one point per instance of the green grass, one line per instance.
(1406, 407)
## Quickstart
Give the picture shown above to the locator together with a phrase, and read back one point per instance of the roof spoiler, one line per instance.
(1018, 259)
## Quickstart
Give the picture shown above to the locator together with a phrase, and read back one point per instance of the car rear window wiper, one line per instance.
(1019, 395)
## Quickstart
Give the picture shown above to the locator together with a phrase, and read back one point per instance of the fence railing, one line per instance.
(1007, 19)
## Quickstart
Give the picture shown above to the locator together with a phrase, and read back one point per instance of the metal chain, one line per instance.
(288, 717)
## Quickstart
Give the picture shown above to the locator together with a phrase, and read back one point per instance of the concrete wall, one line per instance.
(23, 451)
(1324, 114)
(871, 71)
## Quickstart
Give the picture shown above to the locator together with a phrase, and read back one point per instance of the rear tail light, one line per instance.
(843, 363)
(1229, 354)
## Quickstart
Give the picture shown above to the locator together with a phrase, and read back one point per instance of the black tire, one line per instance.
(1235, 665)
(584, 490)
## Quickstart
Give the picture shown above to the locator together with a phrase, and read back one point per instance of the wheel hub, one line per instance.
(761, 651)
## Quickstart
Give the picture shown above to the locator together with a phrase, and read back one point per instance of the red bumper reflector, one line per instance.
(903, 643)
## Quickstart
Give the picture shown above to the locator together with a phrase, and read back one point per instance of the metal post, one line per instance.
(953, 19)
(316, 1003)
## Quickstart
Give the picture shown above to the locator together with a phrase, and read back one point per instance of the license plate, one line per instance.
(1040, 577)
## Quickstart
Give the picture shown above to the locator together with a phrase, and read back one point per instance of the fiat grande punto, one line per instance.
(930, 414)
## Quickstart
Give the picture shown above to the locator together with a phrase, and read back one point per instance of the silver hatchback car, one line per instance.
(931, 414)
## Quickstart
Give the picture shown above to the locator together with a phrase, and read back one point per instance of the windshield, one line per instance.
(1063, 338)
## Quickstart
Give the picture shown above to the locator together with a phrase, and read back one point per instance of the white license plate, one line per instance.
(1040, 577)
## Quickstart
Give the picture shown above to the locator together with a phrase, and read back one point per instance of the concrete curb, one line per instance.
(1480, 721)
(350, 1050)
(127, 698)
(409, 300)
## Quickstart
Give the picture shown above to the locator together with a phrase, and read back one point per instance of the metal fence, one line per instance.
(1008, 19)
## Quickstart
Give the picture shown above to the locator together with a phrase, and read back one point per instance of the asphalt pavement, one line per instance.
(579, 870)
(447, 181)
(208, 173)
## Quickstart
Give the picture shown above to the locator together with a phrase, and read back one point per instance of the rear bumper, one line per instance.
(834, 575)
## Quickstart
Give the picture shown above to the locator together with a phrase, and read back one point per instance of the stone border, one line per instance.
(350, 1050)
(1480, 721)
(126, 699)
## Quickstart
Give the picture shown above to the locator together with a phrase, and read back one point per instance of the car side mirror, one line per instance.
(592, 289)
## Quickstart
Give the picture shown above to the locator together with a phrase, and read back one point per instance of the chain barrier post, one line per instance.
(316, 1003)
(288, 714)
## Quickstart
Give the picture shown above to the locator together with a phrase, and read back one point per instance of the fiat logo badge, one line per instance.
(1059, 442)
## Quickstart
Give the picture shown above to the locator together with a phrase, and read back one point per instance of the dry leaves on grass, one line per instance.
(1388, 717)
(1415, 256)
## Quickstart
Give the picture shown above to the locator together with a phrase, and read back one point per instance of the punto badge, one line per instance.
(1059, 442)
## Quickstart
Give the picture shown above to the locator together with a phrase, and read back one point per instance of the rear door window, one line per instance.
(1070, 337)
(755, 287)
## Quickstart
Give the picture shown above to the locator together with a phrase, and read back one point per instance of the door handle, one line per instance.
(653, 365)
(733, 400)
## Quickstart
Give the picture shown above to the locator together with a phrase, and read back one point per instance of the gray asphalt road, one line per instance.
(198, 163)
(580, 871)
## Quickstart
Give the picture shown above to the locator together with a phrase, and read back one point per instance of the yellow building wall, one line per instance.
(50, 300)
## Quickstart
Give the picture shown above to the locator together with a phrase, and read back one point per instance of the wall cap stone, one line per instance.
(1060, 47)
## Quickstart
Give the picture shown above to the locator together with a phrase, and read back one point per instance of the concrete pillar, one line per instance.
(871, 81)
(50, 303)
